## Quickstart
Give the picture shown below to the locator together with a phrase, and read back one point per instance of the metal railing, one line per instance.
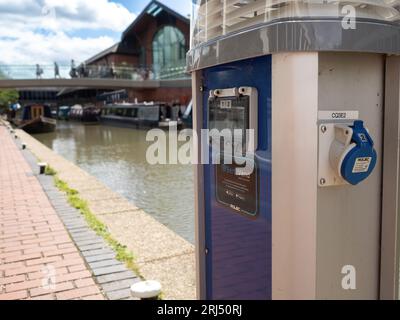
(125, 72)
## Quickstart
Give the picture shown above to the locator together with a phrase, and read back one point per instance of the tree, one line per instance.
(7, 96)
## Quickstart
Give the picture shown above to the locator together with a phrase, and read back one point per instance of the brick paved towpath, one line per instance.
(38, 259)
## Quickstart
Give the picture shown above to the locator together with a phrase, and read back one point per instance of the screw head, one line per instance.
(322, 182)
(324, 129)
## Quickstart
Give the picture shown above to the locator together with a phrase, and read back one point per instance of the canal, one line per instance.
(117, 157)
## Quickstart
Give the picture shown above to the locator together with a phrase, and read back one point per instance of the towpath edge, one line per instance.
(159, 253)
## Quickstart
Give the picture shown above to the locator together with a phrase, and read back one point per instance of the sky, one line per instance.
(44, 31)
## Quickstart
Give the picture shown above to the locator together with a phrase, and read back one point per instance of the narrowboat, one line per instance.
(63, 113)
(132, 115)
(84, 114)
(37, 119)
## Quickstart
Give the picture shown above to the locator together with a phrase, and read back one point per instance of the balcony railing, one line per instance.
(125, 72)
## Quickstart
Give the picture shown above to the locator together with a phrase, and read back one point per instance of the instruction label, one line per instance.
(362, 165)
(338, 115)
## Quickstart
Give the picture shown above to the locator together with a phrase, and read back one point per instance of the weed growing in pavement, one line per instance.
(122, 253)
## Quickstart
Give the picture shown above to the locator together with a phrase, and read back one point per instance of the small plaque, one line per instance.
(338, 115)
(239, 192)
(362, 165)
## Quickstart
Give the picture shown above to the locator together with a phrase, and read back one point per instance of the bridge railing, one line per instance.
(125, 72)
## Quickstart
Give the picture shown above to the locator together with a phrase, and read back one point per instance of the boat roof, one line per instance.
(133, 105)
(36, 105)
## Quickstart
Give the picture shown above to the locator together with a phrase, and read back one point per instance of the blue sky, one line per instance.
(43, 31)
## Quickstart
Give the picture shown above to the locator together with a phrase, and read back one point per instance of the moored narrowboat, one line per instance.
(37, 119)
(63, 113)
(84, 114)
(132, 115)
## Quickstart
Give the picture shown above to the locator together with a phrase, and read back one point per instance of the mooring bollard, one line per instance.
(42, 167)
(146, 290)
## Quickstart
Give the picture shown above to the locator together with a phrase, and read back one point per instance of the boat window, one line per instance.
(37, 111)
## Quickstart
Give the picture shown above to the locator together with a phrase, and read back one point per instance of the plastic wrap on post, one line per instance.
(219, 28)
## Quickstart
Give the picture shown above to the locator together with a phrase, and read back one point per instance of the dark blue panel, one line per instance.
(239, 260)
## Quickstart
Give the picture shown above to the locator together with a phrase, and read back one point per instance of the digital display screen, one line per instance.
(231, 113)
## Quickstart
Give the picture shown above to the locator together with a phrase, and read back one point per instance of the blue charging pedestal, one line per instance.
(307, 221)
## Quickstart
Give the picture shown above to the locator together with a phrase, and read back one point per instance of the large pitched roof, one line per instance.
(112, 49)
(154, 8)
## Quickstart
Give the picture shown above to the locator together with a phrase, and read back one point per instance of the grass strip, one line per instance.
(73, 198)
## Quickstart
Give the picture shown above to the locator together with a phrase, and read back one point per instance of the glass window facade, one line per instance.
(169, 48)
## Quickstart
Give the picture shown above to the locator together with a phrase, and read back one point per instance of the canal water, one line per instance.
(117, 157)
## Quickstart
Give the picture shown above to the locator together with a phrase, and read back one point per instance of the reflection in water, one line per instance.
(117, 157)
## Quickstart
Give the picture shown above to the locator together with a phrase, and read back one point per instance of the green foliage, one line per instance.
(7, 96)
(122, 252)
(50, 171)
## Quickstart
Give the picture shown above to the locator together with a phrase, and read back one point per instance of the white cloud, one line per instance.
(43, 31)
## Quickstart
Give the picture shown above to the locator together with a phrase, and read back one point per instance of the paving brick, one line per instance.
(96, 246)
(74, 276)
(119, 294)
(104, 263)
(116, 277)
(119, 285)
(94, 298)
(99, 252)
(14, 295)
(108, 270)
(46, 297)
(58, 288)
(100, 257)
(23, 285)
(78, 293)
(39, 274)
(81, 283)
(88, 236)
(9, 280)
(77, 268)
(93, 241)
(23, 257)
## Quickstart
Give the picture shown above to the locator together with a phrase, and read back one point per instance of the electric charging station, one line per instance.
(318, 82)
